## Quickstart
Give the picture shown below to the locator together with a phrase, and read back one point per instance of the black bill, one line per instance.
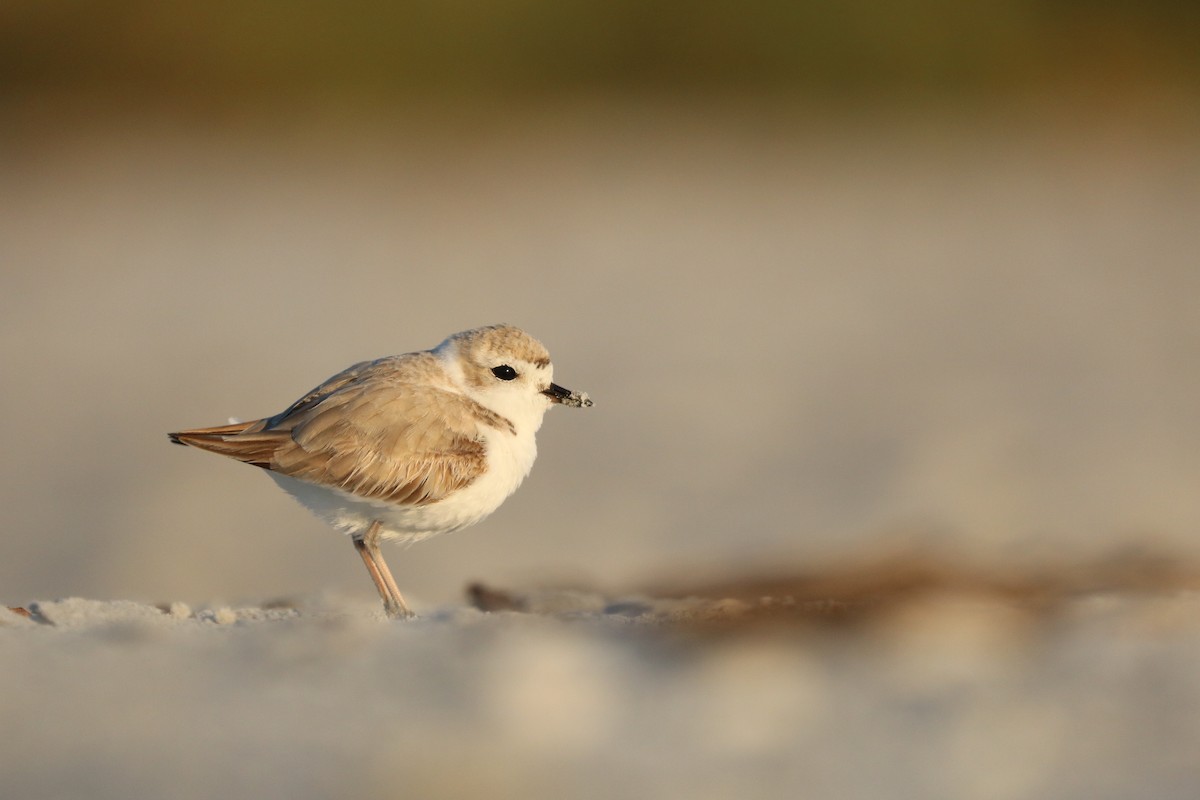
(566, 397)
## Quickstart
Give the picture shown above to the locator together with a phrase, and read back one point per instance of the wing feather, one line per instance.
(371, 430)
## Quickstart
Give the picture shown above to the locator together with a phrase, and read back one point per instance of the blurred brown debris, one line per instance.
(487, 598)
(865, 590)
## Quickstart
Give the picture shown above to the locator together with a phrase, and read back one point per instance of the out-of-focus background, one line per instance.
(835, 273)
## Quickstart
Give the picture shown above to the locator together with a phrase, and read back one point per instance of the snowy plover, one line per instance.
(406, 447)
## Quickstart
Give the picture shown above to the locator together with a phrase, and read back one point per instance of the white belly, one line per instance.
(510, 457)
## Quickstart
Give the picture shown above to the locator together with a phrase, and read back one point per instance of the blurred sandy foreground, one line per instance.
(913, 679)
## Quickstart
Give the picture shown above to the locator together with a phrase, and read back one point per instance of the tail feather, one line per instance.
(242, 441)
(218, 430)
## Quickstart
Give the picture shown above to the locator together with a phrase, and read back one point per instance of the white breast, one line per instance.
(509, 457)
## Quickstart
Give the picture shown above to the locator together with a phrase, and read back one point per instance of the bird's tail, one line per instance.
(244, 441)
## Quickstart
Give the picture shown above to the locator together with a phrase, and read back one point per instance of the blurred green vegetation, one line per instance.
(248, 50)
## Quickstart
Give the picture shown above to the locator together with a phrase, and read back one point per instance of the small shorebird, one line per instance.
(406, 447)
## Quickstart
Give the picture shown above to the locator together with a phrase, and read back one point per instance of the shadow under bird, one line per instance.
(406, 447)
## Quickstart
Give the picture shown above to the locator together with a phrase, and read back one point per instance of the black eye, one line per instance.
(504, 372)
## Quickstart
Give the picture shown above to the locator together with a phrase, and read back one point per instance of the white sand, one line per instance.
(947, 698)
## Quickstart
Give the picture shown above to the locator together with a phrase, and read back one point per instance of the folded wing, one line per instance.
(364, 432)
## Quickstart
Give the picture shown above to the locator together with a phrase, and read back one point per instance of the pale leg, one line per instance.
(368, 548)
